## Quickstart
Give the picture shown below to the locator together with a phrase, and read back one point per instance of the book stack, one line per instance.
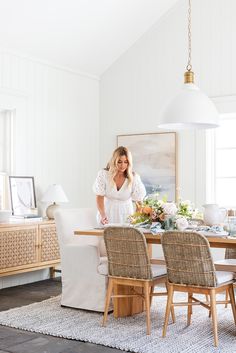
(27, 217)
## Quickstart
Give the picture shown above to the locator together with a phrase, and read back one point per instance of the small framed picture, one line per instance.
(22, 192)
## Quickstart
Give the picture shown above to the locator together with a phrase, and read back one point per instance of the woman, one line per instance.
(116, 187)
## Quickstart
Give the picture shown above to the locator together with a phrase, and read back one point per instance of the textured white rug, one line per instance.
(127, 334)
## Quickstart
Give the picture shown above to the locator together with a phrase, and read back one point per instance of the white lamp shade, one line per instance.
(190, 109)
(54, 193)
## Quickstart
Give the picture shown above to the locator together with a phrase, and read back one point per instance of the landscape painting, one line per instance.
(154, 159)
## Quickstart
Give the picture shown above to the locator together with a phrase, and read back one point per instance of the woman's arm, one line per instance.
(101, 208)
(138, 189)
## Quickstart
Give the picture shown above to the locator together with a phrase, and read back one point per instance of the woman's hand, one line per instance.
(104, 220)
(101, 209)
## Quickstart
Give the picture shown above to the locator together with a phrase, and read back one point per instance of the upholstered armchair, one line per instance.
(83, 261)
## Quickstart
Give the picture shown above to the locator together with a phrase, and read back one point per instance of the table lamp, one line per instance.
(54, 194)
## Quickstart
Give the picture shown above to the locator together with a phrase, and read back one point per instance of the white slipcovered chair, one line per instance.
(83, 261)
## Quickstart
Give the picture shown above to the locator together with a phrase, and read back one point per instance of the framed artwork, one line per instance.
(22, 191)
(154, 159)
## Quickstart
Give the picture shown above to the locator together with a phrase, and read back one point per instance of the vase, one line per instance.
(214, 214)
(168, 223)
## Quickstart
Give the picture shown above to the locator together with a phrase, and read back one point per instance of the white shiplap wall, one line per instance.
(56, 130)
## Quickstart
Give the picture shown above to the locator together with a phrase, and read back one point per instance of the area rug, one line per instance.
(128, 334)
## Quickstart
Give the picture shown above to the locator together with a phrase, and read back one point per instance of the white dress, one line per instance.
(118, 203)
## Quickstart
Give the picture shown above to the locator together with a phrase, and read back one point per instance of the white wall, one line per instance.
(55, 121)
(56, 130)
(136, 86)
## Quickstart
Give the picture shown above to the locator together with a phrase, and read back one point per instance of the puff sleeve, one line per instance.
(99, 186)
(138, 189)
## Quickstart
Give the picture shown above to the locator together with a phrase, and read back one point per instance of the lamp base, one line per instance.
(51, 210)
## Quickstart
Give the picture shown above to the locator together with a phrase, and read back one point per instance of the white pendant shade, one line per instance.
(189, 109)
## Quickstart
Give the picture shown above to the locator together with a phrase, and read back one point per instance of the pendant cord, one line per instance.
(189, 65)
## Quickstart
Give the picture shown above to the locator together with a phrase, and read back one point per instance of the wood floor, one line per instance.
(17, 341)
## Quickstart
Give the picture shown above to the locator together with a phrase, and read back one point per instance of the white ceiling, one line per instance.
(83, 35)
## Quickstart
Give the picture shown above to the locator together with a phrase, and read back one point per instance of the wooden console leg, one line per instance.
(52, 272)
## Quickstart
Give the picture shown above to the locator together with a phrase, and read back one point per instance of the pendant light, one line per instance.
(190, 108)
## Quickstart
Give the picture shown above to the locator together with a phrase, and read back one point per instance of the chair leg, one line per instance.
(232, 301)
(226, 297)
(172, 309)
(168, 308)
(214, 315)
(108, 298)
(147, 306)
(207, 299)
(151, 292)
(190, 309)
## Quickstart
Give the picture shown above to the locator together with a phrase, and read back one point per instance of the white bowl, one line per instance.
(5, 215)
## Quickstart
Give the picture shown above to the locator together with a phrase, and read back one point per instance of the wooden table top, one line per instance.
(215, 242)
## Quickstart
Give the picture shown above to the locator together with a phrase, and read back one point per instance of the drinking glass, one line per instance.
(232, 226)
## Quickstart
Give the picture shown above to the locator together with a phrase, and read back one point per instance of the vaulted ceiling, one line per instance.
(83, 35)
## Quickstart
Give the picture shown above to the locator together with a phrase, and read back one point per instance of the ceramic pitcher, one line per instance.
(214, 214)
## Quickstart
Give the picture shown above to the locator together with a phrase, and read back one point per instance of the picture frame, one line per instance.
(155, 160)
(22, 192)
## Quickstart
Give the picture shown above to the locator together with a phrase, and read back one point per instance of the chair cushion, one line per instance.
(158, 270)
(224, 276)
(103, 266)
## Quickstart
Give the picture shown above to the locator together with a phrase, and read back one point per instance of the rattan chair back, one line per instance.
(127, 253)
(188, 259)
(230, 253)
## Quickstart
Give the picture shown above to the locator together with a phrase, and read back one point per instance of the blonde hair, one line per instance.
(112, 165)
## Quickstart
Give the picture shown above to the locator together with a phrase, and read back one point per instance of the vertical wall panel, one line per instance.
(56, 131)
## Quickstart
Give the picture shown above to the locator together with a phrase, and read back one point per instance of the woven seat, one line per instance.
(190, 269)
(129, 265)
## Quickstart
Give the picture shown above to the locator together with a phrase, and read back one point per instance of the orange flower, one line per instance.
(162, 217)
(147, 210)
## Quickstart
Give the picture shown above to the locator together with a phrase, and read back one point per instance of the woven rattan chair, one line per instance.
(190, 269)
(226, 264)
(129, 265)
(229, 254)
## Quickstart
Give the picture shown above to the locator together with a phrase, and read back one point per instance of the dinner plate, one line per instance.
(154, 231)
(117, 225)
(212, 234)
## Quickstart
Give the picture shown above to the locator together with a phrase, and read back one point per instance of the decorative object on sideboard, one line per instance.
(23, 199)
(54, 194)
(190, 108)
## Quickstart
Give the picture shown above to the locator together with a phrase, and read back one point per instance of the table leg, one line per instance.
(127, 306)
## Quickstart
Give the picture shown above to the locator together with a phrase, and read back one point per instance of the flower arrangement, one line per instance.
(167, 214)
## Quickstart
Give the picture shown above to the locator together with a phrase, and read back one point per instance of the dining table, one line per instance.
(130, 306)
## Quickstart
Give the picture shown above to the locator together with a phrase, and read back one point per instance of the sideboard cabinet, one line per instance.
(28, 246)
